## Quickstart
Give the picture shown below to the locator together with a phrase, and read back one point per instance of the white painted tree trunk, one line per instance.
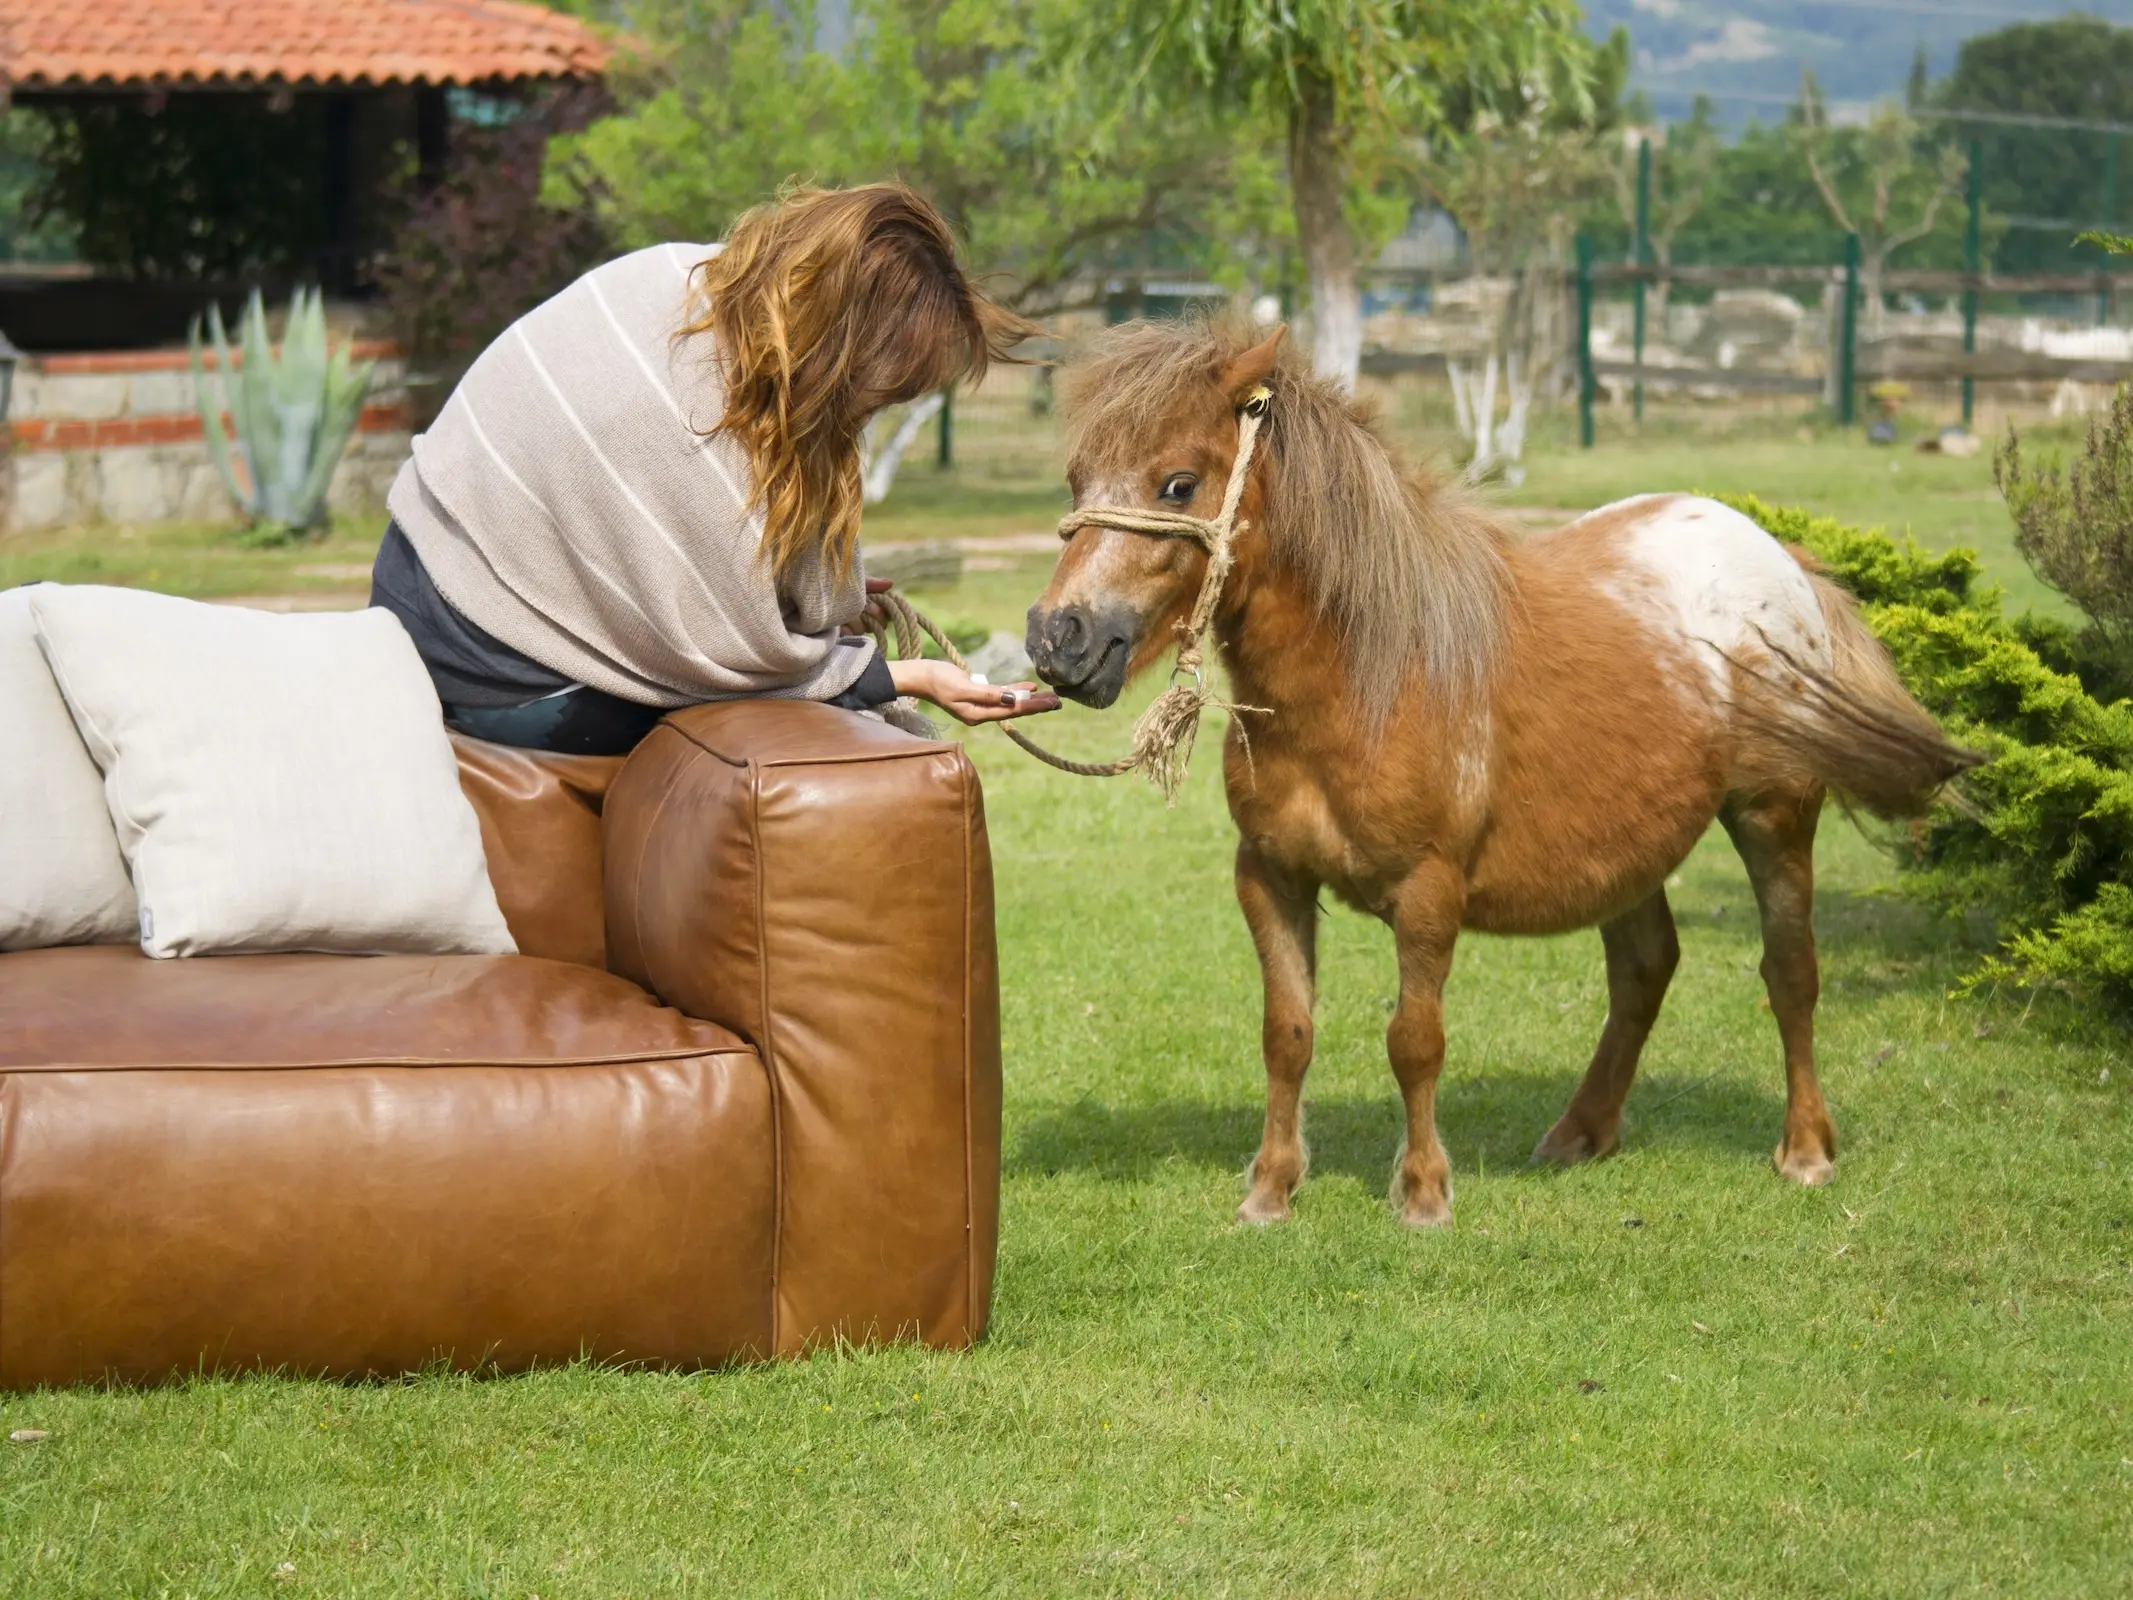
(1318, 185)
(1521, 364)
(1462, 411)
(1474, 406)
(879, 471)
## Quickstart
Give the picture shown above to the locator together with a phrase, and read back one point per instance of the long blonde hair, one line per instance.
(826, 305)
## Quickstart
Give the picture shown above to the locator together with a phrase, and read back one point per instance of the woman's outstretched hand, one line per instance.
(964, 698)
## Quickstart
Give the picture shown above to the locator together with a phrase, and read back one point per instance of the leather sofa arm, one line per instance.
(821, 884)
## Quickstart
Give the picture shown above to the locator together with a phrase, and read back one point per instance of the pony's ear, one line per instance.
(1248, 369)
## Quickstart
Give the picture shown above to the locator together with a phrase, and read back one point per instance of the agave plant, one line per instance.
(292, 412)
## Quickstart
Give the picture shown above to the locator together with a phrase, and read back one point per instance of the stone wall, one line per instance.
(114, 437)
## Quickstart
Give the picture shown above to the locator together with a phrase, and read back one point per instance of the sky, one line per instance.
(1747, 54)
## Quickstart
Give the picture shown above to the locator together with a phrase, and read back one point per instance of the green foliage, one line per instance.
(292, 411)
(2076, 67)
(2075, 525)
(25, 235)
(2042, 836)
(963, 99)
(479, 250)
(1422, 67)
(209, 186)
(1386, 76)
(1888, 181)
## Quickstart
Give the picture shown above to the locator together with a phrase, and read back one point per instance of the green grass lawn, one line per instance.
(1668, 1373)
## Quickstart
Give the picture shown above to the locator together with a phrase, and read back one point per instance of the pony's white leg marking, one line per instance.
(1711, 577)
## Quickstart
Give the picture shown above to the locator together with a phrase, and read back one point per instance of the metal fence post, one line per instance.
(1641, 250)
(1848, 336)
(944, 455)
(1585, 383)
(2106, 217)
(1971, 265)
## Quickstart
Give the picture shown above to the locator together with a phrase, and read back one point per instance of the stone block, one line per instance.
(156, 394)
(201, 495)
(136, 485)
(83, 396)
(43, 495)
(27, 396)
(360, 484)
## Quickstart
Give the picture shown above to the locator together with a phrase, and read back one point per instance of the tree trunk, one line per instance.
(1873, 319)
(880, 469)
(1318, 182)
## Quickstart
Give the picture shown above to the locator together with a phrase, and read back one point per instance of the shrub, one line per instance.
(2075, 528)
(480, 249)
(2042, 834)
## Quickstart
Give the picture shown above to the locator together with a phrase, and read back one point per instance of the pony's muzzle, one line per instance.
(1080, 652)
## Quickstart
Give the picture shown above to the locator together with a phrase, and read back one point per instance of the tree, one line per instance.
(2075, 527)
(1352, 83)
(479, 249)
(1880, 182)
(209, 186)
(1517, 189)
(729, 100)
(725, 101)
(1684, 162)
(2078, 68)
(24, 237)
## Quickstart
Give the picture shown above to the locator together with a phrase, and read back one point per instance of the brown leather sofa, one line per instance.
(738, 1096)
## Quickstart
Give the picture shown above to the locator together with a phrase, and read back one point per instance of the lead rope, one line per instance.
(1163, 736)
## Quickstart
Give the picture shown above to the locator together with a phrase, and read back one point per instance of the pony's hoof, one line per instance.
(1421, 1203)
(1568, 1143)
(1426, 1211)
(1811, 1169)
(1263, 1211)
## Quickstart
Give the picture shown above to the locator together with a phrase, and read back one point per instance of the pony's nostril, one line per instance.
(1070, 631)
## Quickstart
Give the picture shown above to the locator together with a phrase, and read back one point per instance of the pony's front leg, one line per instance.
(1424, 913)
(1282, 912)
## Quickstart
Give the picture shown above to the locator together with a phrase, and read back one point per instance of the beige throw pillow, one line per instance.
(278, 782)
(62, 879)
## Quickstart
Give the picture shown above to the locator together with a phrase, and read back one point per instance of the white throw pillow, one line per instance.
(278, 782)
(62, 879)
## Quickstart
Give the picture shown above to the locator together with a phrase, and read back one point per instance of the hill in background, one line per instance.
(1747, 54)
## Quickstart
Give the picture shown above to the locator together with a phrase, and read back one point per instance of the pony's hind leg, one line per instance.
(1775, 835)
(1642, 953)
(1282, 913)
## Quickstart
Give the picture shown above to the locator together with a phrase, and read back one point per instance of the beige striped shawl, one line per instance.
(565, 501)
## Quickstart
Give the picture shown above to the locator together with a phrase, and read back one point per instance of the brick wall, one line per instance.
(114, 437)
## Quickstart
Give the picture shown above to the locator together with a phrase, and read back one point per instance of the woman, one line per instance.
(645, 493)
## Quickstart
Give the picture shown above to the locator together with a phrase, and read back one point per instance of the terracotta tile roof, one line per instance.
(53, 44)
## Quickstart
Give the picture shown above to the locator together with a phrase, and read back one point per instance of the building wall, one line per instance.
(115, 437)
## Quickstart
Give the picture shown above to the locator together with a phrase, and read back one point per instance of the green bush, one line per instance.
(2041, 836)
(2074, 526)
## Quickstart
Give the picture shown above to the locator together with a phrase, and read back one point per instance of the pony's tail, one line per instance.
(1854, 727)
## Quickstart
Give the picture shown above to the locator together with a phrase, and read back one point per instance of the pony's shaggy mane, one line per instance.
(1412, 579)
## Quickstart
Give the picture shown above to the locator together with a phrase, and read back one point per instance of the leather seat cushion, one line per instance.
(108, 1006)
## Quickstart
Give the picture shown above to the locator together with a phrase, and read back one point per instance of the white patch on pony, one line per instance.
(1721, 585)
(1470, 767)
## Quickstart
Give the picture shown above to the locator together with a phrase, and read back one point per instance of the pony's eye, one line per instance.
(1178, 487)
